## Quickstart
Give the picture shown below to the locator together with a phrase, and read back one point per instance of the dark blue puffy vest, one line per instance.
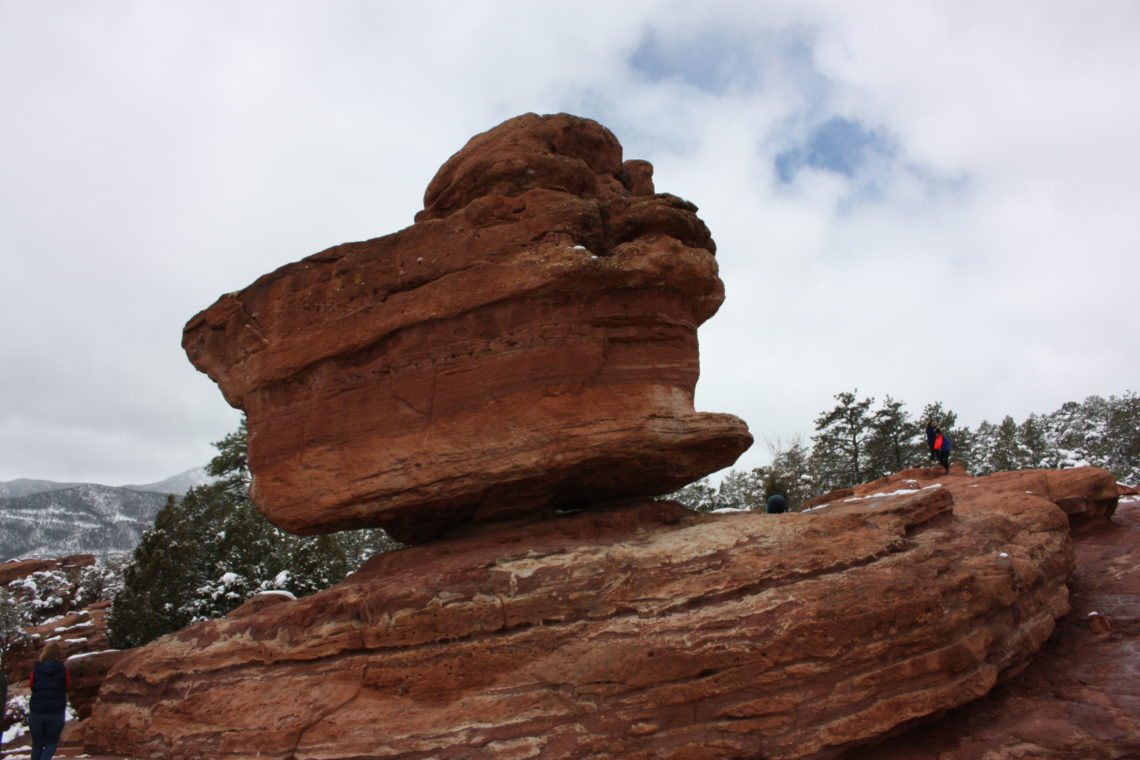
(49, 687)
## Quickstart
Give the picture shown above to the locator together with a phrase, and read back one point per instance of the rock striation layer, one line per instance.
(639, 631)
(530, 342)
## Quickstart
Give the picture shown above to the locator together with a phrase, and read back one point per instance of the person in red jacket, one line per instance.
(942, 448)
(49, 683)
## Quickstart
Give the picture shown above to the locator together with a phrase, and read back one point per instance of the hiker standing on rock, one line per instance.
(931, 434)
(49, 683)
(941, 447)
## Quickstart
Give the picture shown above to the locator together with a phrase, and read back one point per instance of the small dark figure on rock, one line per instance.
(776, 505)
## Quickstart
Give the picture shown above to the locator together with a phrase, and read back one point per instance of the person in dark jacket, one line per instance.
(942, 448)
(49, 683)
(777, 504)
(931, 434)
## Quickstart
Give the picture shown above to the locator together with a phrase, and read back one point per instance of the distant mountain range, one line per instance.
(44, 519)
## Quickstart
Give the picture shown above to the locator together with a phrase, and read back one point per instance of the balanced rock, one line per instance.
(529, 343)
(636, 631)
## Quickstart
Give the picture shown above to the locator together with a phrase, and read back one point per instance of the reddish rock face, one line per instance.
(1080, 697)
(1087, 495)
(87, 672)
(529, 343)
(636, 631)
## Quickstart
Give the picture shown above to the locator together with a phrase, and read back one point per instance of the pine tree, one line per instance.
(1006, 454)
(985, 439)
(209, 552)
(891, 444)
(15, 617)
(838, 458)
(741, 490)
(173, 562)
(1122, 432)
(1036, 453)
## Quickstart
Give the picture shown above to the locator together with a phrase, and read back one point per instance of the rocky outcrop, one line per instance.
(88, 671)
(1080, 696)
(22, 568)
(78, 632)
(1087, 495)
(529, 343)
(640, 630)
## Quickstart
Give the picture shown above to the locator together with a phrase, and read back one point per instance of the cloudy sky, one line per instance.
(936, 201)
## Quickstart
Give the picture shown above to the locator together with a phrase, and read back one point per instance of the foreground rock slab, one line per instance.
(638, 631)
(529, 342)
(1080, 696)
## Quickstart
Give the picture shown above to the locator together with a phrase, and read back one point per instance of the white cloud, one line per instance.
(154, 156)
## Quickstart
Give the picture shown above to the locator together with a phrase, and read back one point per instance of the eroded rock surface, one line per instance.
(1079, 699)
(530, 342)
(636, 631)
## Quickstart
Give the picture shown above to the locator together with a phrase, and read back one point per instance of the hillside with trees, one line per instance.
(858, 441)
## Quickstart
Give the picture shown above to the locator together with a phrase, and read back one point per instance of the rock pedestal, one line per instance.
(636, 631)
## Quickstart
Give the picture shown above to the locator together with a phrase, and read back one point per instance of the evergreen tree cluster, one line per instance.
(857, 441)
(210, 551)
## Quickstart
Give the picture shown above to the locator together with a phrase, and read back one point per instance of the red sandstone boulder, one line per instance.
(636, 631)
(529, 343)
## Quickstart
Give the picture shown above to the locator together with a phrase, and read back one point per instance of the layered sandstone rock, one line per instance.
(88, 671)
(1080, 696)
(1087, 495)
(529, 343)
(637, 631)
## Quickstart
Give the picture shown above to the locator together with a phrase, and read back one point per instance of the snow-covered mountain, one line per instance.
(44, 519)
(179, 484)
(26, 487)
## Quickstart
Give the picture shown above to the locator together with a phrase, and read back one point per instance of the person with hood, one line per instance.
(931, 434)
(942, 448)
(776, 505)
(49, 683)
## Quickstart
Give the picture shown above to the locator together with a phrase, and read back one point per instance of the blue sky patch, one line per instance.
(838, 145)
(710, 60)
